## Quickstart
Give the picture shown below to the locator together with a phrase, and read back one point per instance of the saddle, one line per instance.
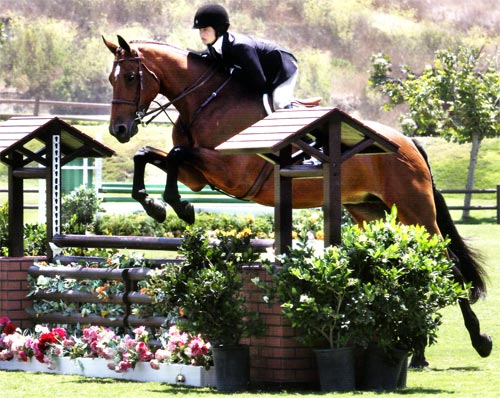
(307, 102)
(296, 103)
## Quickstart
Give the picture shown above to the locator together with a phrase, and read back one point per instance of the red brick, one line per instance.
(16, 295)
(17, 276)
(11, 285)
(10, 305)
(8, 266)
(274, 320)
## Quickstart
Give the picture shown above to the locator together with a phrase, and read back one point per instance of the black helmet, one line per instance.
(213, 15)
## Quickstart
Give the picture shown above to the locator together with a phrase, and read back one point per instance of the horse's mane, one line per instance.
(172, 46)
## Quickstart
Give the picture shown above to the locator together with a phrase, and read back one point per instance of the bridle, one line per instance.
(142, 113)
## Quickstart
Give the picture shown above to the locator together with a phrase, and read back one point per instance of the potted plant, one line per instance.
(408, 278)
(381, 289)
(321, 294)
(204, 289)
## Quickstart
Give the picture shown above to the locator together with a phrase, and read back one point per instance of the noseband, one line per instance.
(142, 113)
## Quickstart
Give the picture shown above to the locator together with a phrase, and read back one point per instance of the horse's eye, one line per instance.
(130, 77)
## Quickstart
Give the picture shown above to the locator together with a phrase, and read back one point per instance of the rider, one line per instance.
(257, 63)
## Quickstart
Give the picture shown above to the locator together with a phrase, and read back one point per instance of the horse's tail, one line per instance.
(469, 262)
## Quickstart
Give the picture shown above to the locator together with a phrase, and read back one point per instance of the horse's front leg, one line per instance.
(154, 208)
(183, 209)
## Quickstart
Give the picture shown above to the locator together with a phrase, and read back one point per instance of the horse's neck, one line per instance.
(234, 110)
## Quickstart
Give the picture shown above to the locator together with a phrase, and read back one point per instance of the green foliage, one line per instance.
(316, 73)
(318, 31)
(35, 239)
(321, 294)
(34, 55)
(102, 288)
(457, 98)
(35, 235)
(79, 209)
(205, 288)
(408, 278)
(386, 283)
(4, 230)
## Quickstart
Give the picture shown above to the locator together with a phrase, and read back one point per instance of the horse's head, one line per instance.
(134, 87)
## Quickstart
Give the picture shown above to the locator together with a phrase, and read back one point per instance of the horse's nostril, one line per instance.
(120, 131)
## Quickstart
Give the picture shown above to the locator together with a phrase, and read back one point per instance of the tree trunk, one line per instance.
(476, 142)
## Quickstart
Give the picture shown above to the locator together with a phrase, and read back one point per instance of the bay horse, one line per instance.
(214, 107)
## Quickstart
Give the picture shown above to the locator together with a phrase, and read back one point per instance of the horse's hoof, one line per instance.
(418, 362)
(186, 212)
(155, 209)
(484, 345)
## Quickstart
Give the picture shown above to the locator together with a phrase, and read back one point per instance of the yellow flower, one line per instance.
(245, 232)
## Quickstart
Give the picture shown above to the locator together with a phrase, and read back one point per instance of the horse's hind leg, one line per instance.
(481, 342)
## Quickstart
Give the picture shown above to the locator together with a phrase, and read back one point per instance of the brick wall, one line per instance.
(276, 358)
(14, 288)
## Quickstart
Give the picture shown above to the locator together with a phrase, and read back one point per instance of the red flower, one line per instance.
(10, 328)
(45, 340)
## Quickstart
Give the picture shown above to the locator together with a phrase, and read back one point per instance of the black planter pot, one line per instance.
(336, 369)
(383, 370)
(232, 369)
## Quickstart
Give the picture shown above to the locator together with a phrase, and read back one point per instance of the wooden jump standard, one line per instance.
(328, 135)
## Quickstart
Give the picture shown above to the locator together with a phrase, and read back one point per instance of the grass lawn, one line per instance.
(455, 369)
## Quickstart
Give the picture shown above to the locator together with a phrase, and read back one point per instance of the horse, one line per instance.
(213, 107)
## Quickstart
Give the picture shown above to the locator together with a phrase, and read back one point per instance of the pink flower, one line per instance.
(21, 355)
(143, 351)
(6, 355)
(155, 364)
(123, 366)
(141, 333)
(59, 332)
(162, 355)
(198, 347)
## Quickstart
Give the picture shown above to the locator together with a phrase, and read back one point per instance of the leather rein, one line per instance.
(154, 113)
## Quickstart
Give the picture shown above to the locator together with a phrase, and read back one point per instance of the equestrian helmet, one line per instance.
(213, 15)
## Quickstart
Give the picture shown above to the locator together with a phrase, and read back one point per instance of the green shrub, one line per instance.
(35, 239)
(79, 209)
(206, 287)
(4, 229)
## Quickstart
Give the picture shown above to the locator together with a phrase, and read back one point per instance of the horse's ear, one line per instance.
(123, 44)
(112, 47)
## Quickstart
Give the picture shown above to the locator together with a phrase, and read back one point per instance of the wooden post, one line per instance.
(498, 204)
(16, 210)
(332, 203)
(283, 204)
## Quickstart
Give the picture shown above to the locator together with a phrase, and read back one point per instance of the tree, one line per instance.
(457, 98)
(33, 57)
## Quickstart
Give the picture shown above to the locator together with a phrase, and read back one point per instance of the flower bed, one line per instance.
(100, 352)
(171, 373)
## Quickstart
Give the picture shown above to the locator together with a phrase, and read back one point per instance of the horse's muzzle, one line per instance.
(123, 132)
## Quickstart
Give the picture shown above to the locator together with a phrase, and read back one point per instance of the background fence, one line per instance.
(121, 193)
(86, 111)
